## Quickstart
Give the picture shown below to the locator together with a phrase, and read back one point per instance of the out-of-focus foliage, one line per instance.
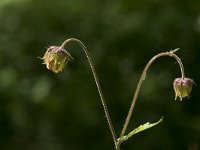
(45, 111)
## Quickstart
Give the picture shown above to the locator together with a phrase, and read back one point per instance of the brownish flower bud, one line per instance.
(183, 87)
(55, 58)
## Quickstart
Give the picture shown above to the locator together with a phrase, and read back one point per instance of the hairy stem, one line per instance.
(142, 78)
(97, 84)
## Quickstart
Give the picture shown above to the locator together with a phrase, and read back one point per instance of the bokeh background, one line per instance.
(40, 110)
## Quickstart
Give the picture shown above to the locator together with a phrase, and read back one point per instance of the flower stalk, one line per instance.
(108, 118)
(56, 58)
(142, 78)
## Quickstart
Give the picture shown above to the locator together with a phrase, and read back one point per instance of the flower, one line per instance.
(56, 58)
(183, 87)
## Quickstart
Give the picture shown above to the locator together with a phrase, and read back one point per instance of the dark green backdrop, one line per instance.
(40, 110)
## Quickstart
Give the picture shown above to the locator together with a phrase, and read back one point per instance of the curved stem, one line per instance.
(97, 84)
(180, 64)
(142, 78)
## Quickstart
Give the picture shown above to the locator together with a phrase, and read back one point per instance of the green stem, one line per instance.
(142, 78)
(97, 84)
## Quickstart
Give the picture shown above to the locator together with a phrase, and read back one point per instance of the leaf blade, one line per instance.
(140, 129)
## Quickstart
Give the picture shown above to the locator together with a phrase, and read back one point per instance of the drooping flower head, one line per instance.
(56, 58)
(183, 87)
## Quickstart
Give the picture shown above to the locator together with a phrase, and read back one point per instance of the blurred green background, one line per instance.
(40, 110)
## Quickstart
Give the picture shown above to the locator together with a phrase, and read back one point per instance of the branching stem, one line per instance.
(118, 142)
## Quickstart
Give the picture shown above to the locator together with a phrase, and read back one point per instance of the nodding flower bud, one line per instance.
(55, 58)
(183, 87)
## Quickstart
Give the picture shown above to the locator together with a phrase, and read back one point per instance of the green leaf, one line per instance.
(140, 129)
